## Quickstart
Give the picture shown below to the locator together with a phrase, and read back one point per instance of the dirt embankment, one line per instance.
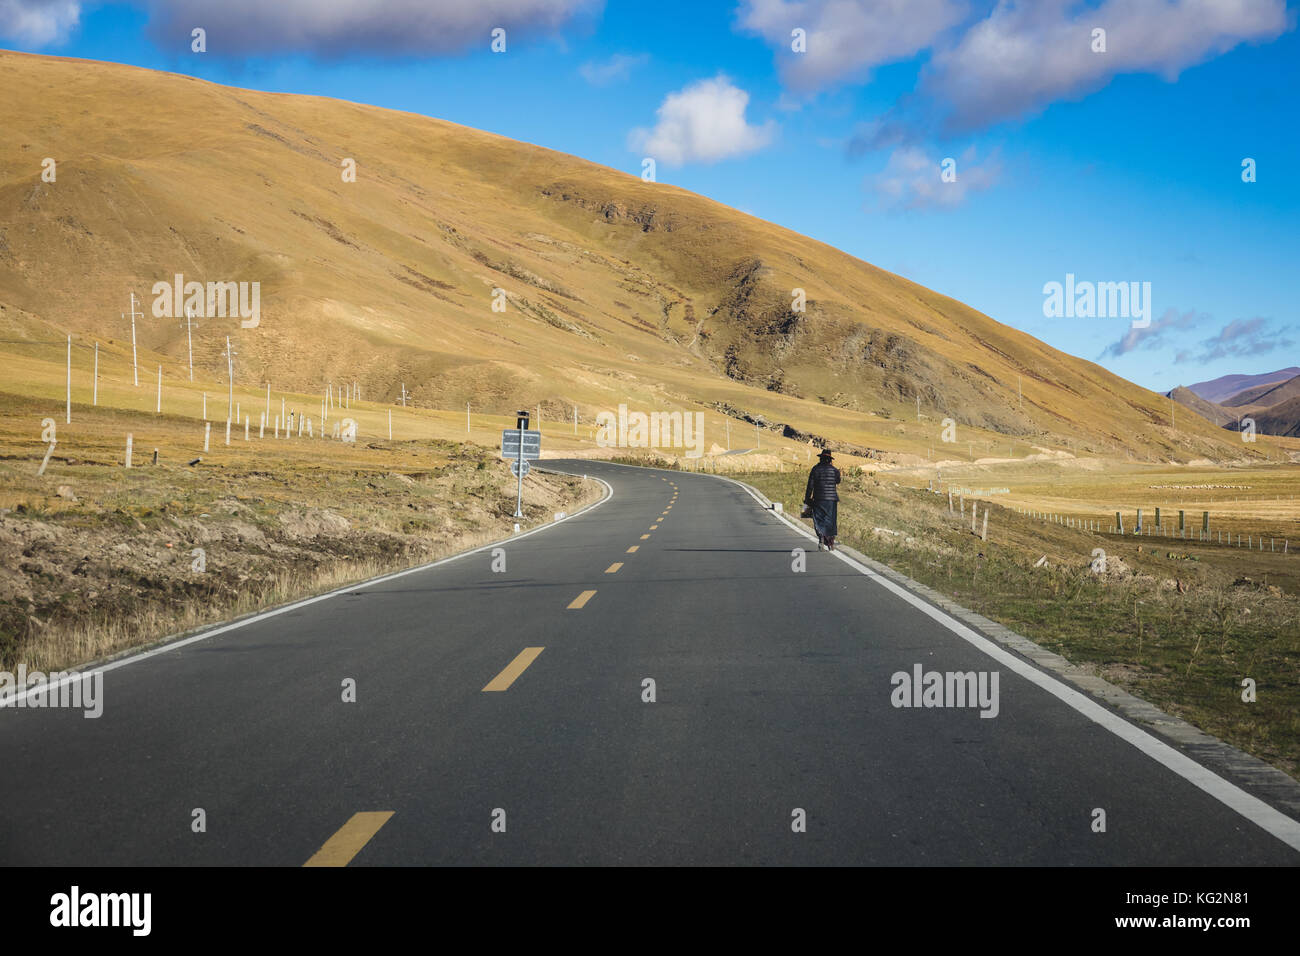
(100, 563)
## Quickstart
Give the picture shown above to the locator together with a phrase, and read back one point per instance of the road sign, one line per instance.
(510, 443)
(516, 465)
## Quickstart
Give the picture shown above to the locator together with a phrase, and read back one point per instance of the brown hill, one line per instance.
(1273, 395)
(1280, 419)
(1265, 394)
(1206, 409)
(616, 290)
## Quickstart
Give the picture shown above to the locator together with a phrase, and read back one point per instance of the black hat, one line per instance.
(825, 453)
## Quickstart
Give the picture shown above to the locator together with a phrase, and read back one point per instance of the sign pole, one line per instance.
(519, 466)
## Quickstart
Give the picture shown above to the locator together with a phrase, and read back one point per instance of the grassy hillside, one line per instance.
(616, 290)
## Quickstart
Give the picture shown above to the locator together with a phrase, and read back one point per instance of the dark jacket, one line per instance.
(821, 483)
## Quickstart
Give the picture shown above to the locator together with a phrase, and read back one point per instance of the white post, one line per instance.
(984, 535)
(227, 431)
(94, 395)
(230, 374)
(68, 410)
(277, 426)
(157, 409)
(135, 364)
(207, 434)
(246, 428)
(129, 440)
(298, 415)
(261, 425)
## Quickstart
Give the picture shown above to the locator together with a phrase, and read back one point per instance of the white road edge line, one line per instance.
(1255, 810)
(14, 697)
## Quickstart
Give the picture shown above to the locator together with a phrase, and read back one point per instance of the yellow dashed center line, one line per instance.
(516, 667)
(644, 536)
(653, 526)
(632, 550)
(352, 836)
(613, 568)
(581, 599)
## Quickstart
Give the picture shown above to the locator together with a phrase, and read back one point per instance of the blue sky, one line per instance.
(1114, 165)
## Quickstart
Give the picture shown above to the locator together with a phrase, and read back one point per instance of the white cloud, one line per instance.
(1008, 61)
(617, 68)
(38, 23)
(845, 40)
(912, 179)
(337, 27)
(704, 122)
(1025, 56)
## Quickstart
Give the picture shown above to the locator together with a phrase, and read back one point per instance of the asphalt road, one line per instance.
(773, 695)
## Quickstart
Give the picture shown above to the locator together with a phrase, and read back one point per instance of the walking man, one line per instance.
(823, 500)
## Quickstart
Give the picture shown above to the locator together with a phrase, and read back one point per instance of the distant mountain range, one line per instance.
(1226, 386)
(1271, 400)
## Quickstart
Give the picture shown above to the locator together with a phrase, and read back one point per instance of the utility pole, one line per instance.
(230, 374)
(189, 336)
(135, 364)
